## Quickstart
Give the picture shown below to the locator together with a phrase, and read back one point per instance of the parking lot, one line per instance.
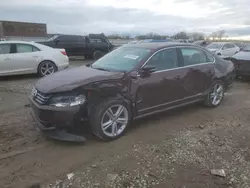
(171, 149)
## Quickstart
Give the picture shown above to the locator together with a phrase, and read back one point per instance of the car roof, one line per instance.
(222, 42)
(16, 41)
(40, 46)
(159, 45)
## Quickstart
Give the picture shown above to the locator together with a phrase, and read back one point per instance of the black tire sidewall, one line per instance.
(208, 97)
(97, 114)
(40, 65)
(97, 54)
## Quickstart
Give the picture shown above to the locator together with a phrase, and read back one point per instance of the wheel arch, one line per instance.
(96, 100)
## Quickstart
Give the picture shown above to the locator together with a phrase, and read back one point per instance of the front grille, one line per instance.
(39, 97)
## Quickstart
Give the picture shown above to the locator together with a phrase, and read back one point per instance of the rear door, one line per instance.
(229, 50)
(198, 69)
(235, 49)
(80, 45)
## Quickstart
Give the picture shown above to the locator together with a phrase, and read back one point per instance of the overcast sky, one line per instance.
(125, 16)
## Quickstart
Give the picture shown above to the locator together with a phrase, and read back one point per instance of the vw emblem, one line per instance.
(33, 92)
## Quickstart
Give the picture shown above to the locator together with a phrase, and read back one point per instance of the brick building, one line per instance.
(10, 30)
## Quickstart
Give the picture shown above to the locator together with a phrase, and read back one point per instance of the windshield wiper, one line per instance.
(100, 69)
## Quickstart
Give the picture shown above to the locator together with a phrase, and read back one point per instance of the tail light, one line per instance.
(64, 52)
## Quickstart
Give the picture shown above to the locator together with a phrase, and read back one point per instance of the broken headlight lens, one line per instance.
(66, 101)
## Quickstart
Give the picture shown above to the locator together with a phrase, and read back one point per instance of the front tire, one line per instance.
(215, 94)
(46, 68)
(110, 119)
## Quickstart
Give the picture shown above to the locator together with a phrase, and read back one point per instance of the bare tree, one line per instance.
(218, 34)
(221, 33)
(197, 36)
(214, 35)
(181, 35)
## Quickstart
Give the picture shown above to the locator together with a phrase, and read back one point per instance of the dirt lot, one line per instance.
(173, 149)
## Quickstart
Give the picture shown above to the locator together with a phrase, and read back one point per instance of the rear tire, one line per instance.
(215, 94)
(97, 55)
(46, 68)
(110, 119)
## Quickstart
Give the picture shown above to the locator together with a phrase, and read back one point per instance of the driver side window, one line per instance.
(164, 59)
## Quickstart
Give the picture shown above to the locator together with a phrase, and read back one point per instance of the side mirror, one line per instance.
(147, 70)
(57, 41)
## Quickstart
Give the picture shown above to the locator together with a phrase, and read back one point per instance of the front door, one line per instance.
(161, 87)
(198, 70)
(6, 58)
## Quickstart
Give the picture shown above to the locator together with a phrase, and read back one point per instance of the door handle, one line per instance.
(7, 58)
(177, 77)
(35, 56)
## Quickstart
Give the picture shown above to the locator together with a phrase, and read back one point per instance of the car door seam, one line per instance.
(144, 109)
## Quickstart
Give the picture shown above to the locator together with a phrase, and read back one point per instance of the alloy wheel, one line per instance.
(114, 120)
(217, 94)
(47, 68)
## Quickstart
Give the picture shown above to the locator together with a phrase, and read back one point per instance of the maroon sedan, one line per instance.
(131, 82)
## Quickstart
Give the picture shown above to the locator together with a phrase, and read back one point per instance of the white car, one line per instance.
(19, 57)
(224, 49)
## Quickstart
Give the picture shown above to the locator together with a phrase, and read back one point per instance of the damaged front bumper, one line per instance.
(57, 123)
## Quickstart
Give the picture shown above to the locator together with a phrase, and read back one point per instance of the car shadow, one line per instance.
(243, 79)
(151, 119)
(85, 130)
(18, 77)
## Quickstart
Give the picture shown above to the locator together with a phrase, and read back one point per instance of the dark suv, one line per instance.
(93, 46)
(130, 82)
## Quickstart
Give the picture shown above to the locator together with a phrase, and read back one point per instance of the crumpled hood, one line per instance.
(242, 56)
(70, 79)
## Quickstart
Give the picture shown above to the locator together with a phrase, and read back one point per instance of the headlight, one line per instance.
(65, 101)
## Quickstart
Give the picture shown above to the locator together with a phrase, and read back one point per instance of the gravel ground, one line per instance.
(174, 149)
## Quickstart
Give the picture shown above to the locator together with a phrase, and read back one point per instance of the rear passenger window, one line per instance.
(80, 39)
(67, 38)
(4, 48)
(193, 56)
(95, 40)
(231, 45)
(228, 45)
(25, 48)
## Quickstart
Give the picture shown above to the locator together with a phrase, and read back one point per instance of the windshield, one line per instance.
(53, 38)
(215, 46)
(246, 48)
(121, 59)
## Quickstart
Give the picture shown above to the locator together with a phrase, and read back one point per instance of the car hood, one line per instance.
(242, 55)
(70, 79)
(42, 42)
